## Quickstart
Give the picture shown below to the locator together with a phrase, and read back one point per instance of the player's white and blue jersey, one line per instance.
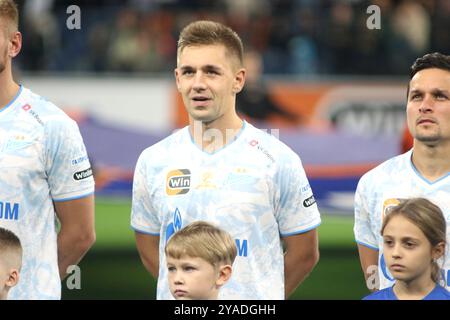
(255, 188)
(386, 186)
(438, 293)
(42, 159)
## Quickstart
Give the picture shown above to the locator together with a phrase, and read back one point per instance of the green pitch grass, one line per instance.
(112, 268)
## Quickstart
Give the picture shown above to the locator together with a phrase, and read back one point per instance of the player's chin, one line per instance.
(428, 137)
(202, 116)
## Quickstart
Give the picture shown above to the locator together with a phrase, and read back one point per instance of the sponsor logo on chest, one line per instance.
(178, 182)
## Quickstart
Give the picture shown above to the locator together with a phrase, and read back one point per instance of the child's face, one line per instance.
(192, 278)
(407, 251)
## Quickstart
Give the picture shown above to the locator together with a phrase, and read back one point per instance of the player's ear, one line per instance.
(177, 78)
(239, 80)
(225, 272)
(15, 44)
(13, 278)
(438, 250)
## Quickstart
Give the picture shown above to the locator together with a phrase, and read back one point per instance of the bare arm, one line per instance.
(77, 234)
(369, 264)
(148, 248)
(302, 254)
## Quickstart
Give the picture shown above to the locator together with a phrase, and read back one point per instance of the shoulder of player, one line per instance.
(387, 168)
(269, 144)
(43, 111)
(164, 146)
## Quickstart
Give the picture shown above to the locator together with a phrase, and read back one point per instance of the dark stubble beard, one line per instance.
(430, 140)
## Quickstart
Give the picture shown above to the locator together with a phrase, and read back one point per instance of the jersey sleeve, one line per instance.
(362, 228)
(144, 218)
(67, 165)
(296, 208)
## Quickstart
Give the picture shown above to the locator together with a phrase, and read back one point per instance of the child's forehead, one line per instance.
(184, 257)
(401, 226)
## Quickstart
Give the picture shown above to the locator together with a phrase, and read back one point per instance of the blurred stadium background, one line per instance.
(332, 89)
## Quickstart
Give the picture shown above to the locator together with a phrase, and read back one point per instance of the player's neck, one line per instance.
(432, 162)
(8, 89)
(416, 289)
(213, 136)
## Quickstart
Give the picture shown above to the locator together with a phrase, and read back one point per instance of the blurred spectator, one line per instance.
(441, 26)
(126, 51)
(42, 38)
(302, 47)
(410, 35)
(254, 101)
(338, 38)
(299, 37)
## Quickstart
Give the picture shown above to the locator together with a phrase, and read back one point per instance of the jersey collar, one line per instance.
(413, 167)
(238, 135)
(11, 103)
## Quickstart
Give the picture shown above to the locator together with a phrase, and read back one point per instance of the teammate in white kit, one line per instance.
(424, 171)
(45, 174)
(250, 184)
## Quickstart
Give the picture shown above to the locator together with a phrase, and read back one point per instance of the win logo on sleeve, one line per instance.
(80, 175)
(178, 182)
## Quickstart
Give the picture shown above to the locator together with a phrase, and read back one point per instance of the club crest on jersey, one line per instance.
(206, 181)
(15, 143)
(389, 204)
(178, 182)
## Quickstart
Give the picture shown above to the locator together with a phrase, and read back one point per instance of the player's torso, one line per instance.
(233, 188)
(23, 179)
(234, 193)
(25, 205)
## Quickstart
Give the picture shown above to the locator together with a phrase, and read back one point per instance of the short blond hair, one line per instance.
(10, 249)
(9, 13)
(202, 240)
(206, 32)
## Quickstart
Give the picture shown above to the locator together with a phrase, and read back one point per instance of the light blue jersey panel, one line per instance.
(255, 188)
(385, 186)
(43, 159)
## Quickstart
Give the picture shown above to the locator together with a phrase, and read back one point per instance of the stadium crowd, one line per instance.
(294, 37)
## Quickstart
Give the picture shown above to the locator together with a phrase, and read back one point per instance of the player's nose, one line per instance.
(427, 104)
(199, 82)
